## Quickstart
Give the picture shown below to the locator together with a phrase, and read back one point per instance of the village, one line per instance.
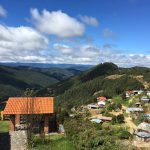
(137, 108)
(133, 115)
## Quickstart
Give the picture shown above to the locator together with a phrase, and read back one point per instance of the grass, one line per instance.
(53, 142)
(4, 126)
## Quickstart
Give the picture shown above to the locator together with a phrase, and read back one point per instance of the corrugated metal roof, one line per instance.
(143, 134)
(96, 120)
(135, 109)
(144, 126)
(30, 105)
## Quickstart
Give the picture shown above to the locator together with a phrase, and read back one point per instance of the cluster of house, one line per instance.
(101, 102)
(131, 93)
(143, 130)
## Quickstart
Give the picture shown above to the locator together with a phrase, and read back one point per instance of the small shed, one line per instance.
(148, 93)
(145, 99)
(21, 107)
(143, 132)
(93, 106)
(144, 127)
(101, 104)
(96, 120)
(134, 110)
(143, 136)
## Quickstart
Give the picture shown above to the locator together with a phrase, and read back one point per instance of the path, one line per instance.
(130, 124)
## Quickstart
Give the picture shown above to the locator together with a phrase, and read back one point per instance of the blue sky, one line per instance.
(75, 31)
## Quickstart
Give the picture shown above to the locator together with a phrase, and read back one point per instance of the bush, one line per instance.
(124, 134)
(118, 119)
(89, 136)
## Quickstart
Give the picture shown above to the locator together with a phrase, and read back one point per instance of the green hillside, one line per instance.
(104, 79)
(14, 80)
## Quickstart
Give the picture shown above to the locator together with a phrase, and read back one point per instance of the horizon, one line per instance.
(57, 65)
(54, 32)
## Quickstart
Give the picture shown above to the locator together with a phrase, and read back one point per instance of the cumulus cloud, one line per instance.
(18, 42)
(3, 12)
(64, 49)
(84, 54)
(89, 20)
(89, 54)
(57, 23)
(109, 34)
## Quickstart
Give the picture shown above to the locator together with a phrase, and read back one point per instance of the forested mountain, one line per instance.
(14, 80)
(104, 79)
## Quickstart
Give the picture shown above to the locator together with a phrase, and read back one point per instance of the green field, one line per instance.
(53, 142)
(4, 126)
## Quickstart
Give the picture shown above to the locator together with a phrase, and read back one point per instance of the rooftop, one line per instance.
(132, 109)
(144, 126)
(143, 134)
(30, 105)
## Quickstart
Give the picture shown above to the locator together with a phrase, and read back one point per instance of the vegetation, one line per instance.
(14, 80)
(84, 93)
(88, 136)
(118, 119)
(139, 119)
(4, 126)
(53, 142)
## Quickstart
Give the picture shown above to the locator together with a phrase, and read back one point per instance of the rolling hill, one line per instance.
(14, 80)
(104, 79)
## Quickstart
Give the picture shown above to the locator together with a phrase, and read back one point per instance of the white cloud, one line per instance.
(18, 42)
(57, 23)
(64, 49)
(25, 44)
(89, 20)
(89, 54)
(3, 12)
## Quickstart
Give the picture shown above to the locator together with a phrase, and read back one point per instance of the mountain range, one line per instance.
(72, 86)
(105, 79)
(15, 80)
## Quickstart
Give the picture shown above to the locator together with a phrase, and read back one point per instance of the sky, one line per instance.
(75, 31)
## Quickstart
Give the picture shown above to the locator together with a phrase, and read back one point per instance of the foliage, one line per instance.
(4, 126)
(88, 136)
(53, 142)
(84, 93)
(139, 119)
(14, 80)
(118, 119)
(100, 70)
(114, 106)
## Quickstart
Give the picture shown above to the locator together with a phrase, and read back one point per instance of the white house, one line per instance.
(101, 104)
(93, 106)
(148, 93)
(134, 109)
(145, 99)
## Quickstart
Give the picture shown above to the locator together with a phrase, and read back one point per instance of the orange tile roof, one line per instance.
(101, 98)
(30, 105)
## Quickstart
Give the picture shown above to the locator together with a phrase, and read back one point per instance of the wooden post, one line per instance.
(12, 123)
(46, 124)
(17, 119)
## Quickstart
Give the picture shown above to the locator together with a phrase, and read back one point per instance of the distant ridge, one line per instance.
(47, 65)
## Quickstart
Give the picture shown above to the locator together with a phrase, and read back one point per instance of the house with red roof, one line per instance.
(101, 98)
(19, 108)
